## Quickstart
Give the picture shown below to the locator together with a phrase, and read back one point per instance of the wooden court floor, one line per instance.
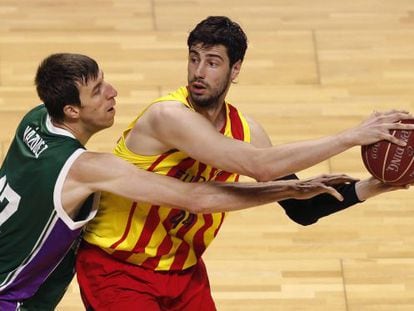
(313, 68)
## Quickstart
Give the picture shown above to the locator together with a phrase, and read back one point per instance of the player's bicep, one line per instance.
(103, 172)
(190, 132)
(91, 170)
(95, 172)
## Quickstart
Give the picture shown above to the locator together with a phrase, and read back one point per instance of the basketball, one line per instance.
(390, 163)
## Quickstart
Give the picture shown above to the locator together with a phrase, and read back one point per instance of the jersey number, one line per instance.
(12, 200)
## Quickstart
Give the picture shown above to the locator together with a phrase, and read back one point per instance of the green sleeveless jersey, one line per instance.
(35, 231)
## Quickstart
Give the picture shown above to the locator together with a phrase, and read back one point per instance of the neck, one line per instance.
(215, 114)
(74, 130)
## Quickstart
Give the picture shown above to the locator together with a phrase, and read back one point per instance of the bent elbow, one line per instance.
(194, 208)
(260, 169)
(261, 173)
(264, 176)
(203, 207)
(200, 199)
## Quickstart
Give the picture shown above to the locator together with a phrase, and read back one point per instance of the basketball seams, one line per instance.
(385, 163)
(388, 160)
(367, 163)
(403, 173)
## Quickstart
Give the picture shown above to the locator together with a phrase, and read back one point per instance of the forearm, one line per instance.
(225, 197)
(139, 185)
(283, 160)
(370, 187)
(206, 197)
(216, 197)
(307, 212)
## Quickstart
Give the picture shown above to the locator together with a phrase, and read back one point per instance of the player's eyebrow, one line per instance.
(214, 55)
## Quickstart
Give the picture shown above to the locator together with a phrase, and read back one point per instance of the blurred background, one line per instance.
(311, 69)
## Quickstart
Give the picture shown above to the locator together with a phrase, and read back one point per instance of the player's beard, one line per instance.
(212, 100)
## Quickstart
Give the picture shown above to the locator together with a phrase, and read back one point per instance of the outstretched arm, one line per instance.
(307, 212)
(166, 125)
(94, 172)
(244, 195)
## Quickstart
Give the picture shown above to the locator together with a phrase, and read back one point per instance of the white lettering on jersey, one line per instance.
(33, 141)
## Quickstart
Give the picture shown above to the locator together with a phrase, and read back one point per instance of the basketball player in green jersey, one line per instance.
(48, 183)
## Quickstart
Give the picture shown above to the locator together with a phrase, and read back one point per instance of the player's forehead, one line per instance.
(212, 50)
(99, 78)
(92, 84)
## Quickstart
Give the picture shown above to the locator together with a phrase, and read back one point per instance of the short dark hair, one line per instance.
(220, 30)
(57, 80)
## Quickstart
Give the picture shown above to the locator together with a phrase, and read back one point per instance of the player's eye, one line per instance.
(97, 91)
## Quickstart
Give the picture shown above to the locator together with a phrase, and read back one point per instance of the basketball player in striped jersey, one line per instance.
(49, 183)
(142, 256)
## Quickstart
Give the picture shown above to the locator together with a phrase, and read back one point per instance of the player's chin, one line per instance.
(197, 96)
(108, 123)
(111, 122)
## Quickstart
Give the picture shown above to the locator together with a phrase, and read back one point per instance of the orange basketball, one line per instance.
(390, 163)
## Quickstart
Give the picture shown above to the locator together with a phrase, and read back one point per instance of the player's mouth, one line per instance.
(198, 87)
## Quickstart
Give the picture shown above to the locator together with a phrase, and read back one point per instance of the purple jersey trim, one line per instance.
(28, 277)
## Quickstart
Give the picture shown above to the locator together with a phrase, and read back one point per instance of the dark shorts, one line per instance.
(109, 284)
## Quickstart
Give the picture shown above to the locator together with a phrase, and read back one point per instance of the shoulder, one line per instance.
(170, 105)
(253, 124)
(167, 110)
(180, 95)
(171, 117)
(91, 166)
(36, 114)
(91, 159)
(259, 137)
(37, 110)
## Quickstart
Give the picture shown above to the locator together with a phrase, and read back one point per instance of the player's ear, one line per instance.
(235, 69)
(71, 111)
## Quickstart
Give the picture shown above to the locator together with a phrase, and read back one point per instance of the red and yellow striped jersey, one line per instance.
(159, 237)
